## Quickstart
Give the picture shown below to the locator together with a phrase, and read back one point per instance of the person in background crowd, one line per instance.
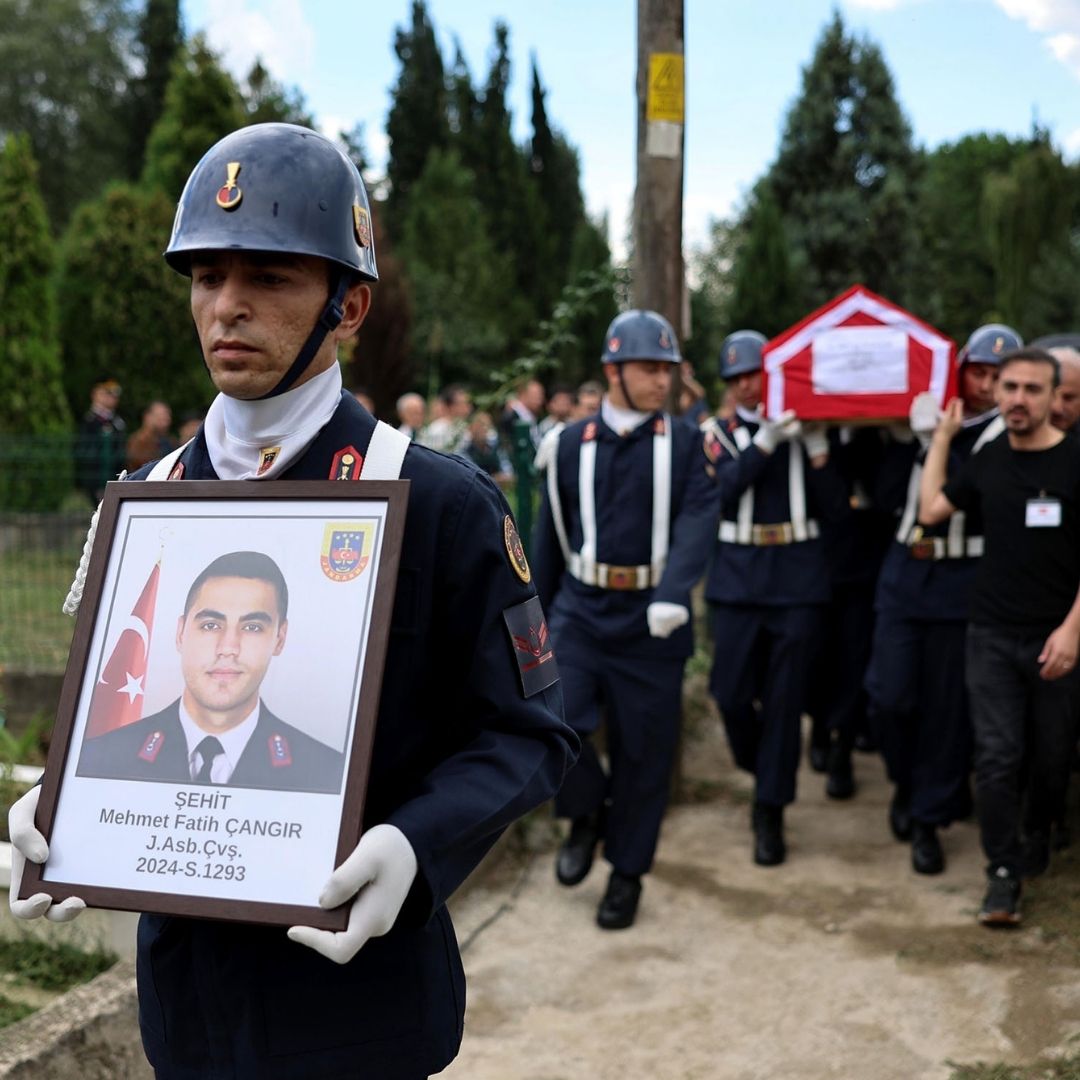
(526, 405)
(363, 395)
(693, 403)
(448, 430)
(1024, 633)
(100, 446)
(589, 394)
(560, 408)
(768, 583)
(1065, 410)
(152, 440)
(622, 536)
(483, 449)
(410, 410)
(919, 705)
(190, 423)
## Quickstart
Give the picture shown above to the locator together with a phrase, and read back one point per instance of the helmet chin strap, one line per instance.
(328, 321)
(626, 392)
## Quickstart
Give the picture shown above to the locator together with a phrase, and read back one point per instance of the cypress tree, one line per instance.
(33, 400)
(202, 104)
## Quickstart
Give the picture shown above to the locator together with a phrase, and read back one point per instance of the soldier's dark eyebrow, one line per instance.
(254, 616)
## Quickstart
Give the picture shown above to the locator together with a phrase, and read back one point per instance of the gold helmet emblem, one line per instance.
(229, 195)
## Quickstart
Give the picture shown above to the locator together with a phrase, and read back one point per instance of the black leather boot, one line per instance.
(619, 906)
(575, 858)
(926, 854)
(840, 775)
(769, 847)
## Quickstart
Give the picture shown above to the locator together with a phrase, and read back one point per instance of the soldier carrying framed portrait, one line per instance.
(213, 738)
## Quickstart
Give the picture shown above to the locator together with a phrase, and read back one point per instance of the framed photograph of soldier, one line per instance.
(212, 744)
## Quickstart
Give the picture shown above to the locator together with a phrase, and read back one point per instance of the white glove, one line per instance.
(28, 843)
(772, 433)
(379, 873)
(664, 618)
(815, 438)
(924, 413)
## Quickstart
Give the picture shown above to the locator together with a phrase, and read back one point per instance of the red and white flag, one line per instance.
(121, 688)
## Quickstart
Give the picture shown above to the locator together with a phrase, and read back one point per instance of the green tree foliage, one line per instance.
(33, 400)
(845, 176)
(514, 212)
(461, 283)
(202, 104)
(159, 39)
(1028, 212)
(417, 123)
(712, 274)
(35, 452)
(64, 77)
(957, 288)
(767, 291)
(556, 172)
(268, 101)
(125, 313)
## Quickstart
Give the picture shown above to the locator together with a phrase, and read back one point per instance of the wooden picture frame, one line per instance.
(136, 816)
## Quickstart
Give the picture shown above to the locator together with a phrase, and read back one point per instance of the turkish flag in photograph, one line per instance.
(118, 695)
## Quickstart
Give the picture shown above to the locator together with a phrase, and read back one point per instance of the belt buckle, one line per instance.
(922, 549)
(622, 577)
(771, 535)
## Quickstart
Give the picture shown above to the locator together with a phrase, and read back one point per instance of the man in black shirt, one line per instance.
(1024, 631)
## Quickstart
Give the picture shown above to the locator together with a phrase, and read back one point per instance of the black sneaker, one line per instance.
(575, 858)
(927, 856)
(1001, 906)
(619, 906)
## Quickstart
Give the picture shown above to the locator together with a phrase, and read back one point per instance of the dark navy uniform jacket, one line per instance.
(934, 588)
(780, 574)
(624, 523)
(277, 755)
(460, 752)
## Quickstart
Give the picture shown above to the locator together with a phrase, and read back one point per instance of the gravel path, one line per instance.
(841, 963)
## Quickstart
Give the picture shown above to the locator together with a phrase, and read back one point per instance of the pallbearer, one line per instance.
(624, 531)
(768, 582)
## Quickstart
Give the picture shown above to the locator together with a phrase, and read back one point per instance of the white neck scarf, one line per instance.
(259, 440)
(621, 421)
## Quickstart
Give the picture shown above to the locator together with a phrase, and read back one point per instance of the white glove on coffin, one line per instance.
(379, 873)
(28, 843)
(815, 438)
(664, 618)
(772, 433)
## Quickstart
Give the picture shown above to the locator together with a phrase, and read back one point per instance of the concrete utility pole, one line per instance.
(658, 262)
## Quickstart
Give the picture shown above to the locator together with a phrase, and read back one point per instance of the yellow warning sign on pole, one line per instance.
(665, 100)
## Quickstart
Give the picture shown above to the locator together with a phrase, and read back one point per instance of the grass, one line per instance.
(34, 633)
(49, 966)
(1067, 1068)
(11, 1011)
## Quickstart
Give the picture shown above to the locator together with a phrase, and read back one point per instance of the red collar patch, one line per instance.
(347, 464)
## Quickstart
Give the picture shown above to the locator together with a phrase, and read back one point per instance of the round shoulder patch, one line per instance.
(515, 550)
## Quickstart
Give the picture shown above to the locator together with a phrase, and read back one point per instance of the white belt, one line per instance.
(776, 534)
(940, 547)
(606, 576)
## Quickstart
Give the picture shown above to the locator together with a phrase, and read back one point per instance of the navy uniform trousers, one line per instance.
(611, 668)
(915, 682)
(464, 744)
(767, 602)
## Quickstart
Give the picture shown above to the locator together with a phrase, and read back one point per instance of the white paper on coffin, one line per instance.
(860, 360)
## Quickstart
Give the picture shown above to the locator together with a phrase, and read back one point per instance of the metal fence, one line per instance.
(44, 516)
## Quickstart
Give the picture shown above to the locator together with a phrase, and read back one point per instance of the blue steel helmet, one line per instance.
(640, 335)
(989, 344)
(279, 188)
(740, 353)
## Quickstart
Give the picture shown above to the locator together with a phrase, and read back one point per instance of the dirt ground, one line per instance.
(840, 963)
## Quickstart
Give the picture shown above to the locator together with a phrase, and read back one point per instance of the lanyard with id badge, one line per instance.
(1043, 512)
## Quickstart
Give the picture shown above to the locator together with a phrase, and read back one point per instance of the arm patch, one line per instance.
(531, 641)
